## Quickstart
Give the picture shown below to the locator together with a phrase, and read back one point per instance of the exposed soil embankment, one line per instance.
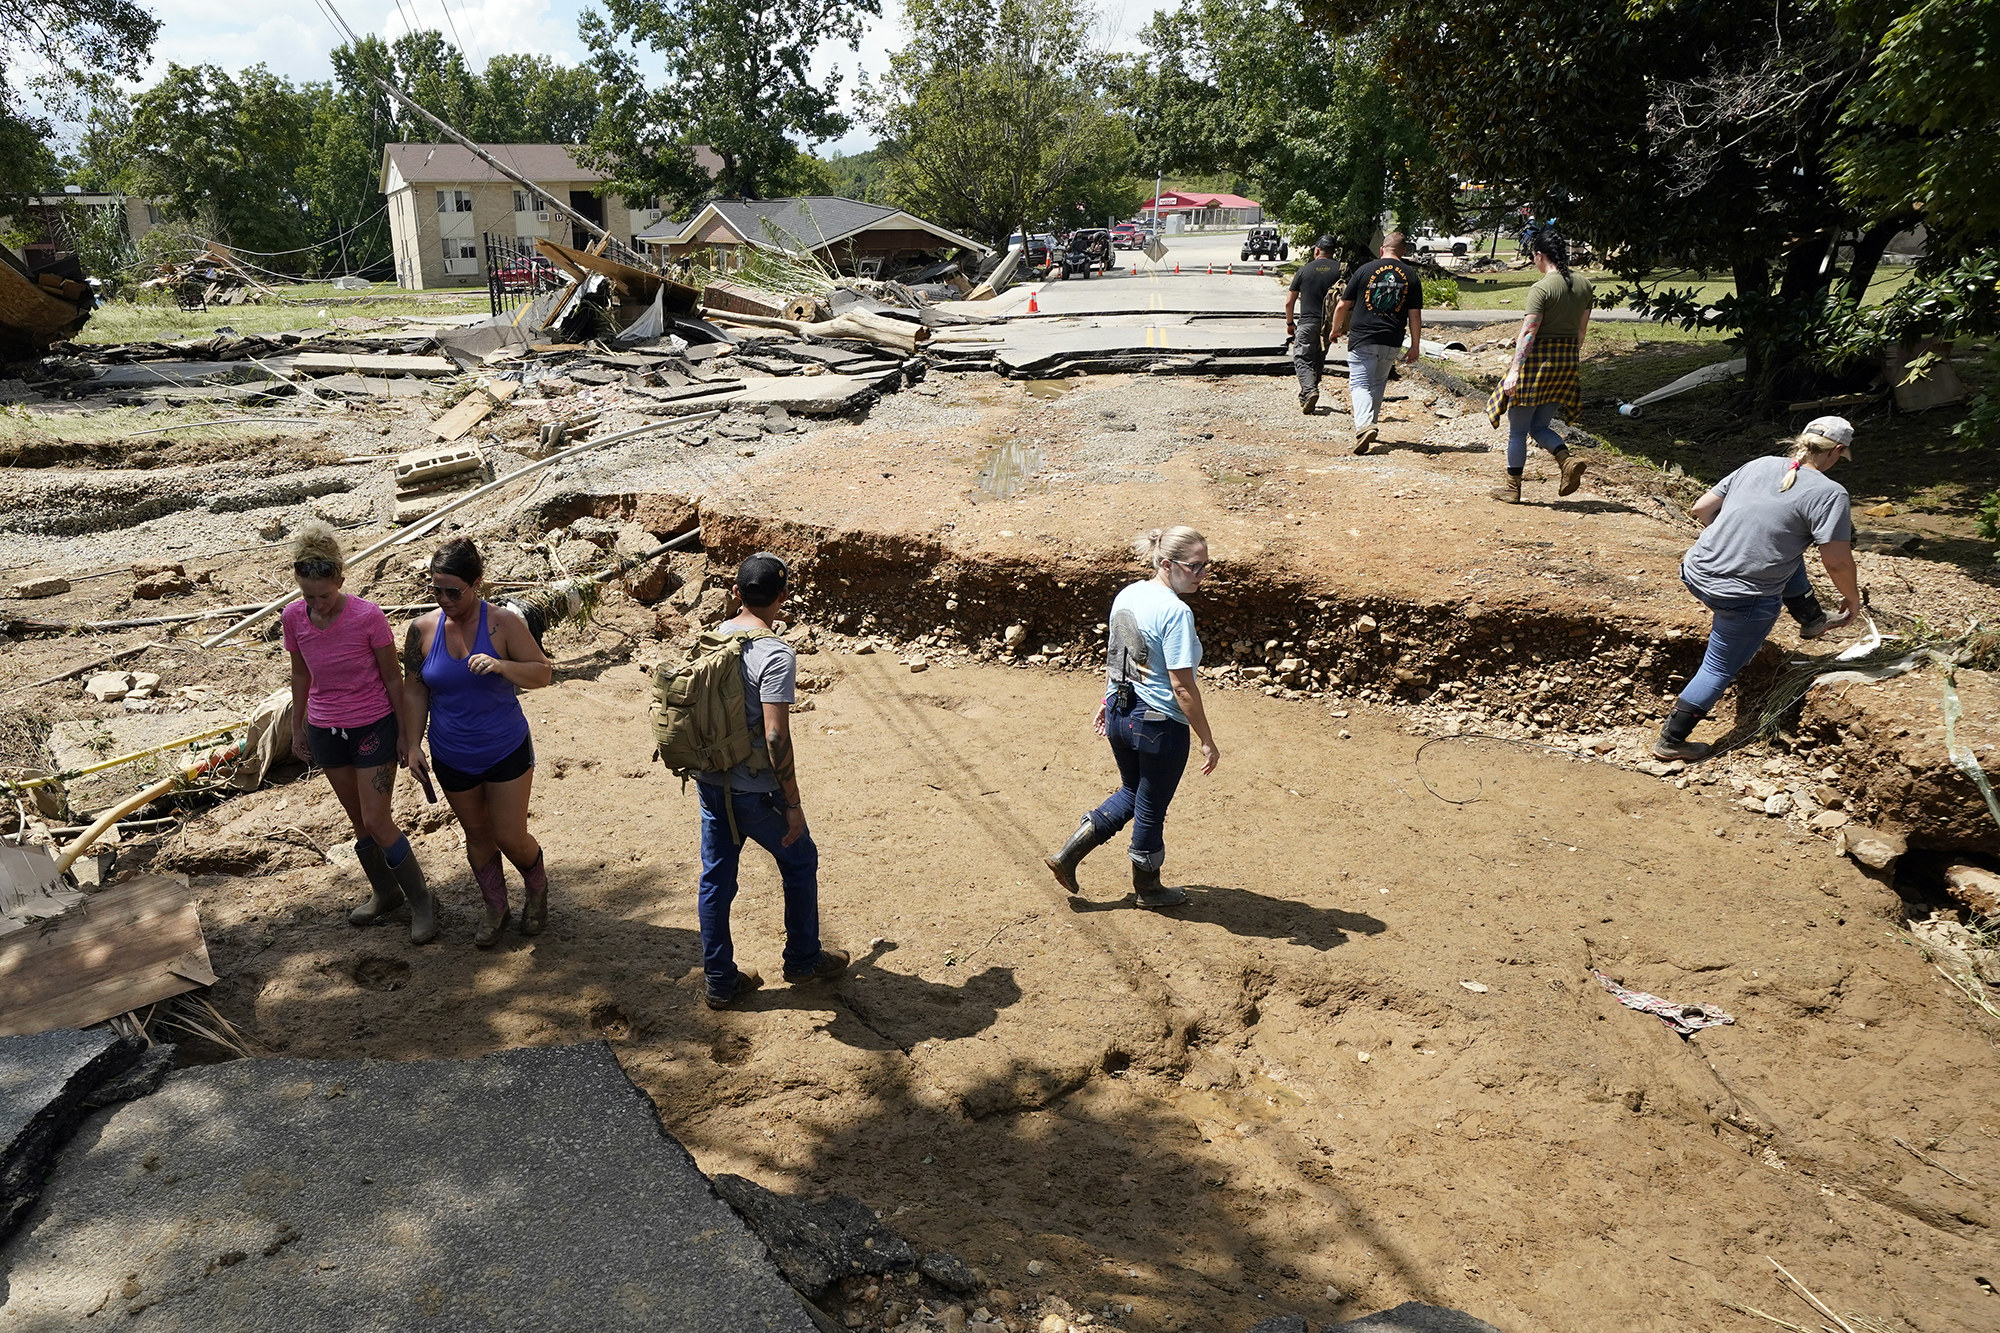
(1525, 669)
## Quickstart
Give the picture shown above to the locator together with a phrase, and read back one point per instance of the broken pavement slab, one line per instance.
(817, 1244)
(527, 1190)
(45, 1080)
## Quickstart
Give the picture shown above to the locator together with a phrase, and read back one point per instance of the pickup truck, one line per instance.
(1434, 243)
(1128, 236)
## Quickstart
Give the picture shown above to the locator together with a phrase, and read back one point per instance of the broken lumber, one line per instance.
(472, 409)
(333, 363)
(136, 944)
(852, 326)
(733, 298)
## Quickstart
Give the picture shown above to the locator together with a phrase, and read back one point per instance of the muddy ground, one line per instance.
(1174, 1111)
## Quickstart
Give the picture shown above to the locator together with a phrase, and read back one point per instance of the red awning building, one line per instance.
(1205, 210)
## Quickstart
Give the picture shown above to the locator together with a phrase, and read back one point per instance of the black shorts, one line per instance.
(354, 747)
(513, 766)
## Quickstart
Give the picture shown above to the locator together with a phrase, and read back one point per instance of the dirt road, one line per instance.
(1283, 1097)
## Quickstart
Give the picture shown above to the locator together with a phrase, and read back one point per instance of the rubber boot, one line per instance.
(423, 903)
(535, 904)
(493, 888)
(1572, 472)
(1509, 489)
(1146, 882)
(384, 896)
(1673, 742)
(1064, 863)
(1812, 617)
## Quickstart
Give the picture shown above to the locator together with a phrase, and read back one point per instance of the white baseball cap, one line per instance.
(1838, 429)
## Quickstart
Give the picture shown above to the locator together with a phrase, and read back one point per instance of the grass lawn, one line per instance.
(309, 305)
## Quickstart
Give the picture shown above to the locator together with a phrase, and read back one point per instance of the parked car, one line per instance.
(1088, 249)
(1266, 242)
(525, 273)
(1431, 242)
(1038, 251)
(1128, 236)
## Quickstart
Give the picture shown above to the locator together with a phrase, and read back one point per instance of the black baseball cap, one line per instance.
(762, 579)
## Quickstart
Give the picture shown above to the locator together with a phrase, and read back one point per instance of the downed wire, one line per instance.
(1416, 760)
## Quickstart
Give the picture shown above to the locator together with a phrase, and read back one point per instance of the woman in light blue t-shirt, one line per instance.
(1151, 703)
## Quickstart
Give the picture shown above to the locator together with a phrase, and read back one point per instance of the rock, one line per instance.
(1285, 1323)
(917, 664)
(954, 1319)
(1414, 1317)
(45, 1079)
(777, 420)
(1365, 625)
(145, 680)
(1036, 1268)
(578, 554)
(170, 582)
(1053, 1323)
(1015, 636)
(1827, 819)
(1872, 848)
(633, 541)
(1778, 803)
(108, 687)
(815, 1245)
(1754, 804)
(52, 586)
(948, 1271)
(273, 529)
(1760, 789)
(1975, 887)
(1663, 770)
(712, 609)
(649, 582)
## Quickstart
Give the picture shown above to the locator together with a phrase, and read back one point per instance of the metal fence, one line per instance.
(516, 272)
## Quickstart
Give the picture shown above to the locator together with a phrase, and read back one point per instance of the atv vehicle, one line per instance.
(1266, 243)
(1088, 249)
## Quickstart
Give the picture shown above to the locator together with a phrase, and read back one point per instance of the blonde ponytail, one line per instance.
(1805, 448)
(1161, 544)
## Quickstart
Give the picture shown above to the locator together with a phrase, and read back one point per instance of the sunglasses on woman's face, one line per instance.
(449, 594)
(1196, 567)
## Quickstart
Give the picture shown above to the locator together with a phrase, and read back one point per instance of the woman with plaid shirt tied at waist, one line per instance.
(1542, 383)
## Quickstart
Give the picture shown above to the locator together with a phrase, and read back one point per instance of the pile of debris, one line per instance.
(42, 305)
(211, 278)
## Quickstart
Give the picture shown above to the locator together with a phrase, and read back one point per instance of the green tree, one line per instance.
(995, 119)
(1786, 145)
(532, 99)
(1308, 124)
(58, 55)
(735, 78)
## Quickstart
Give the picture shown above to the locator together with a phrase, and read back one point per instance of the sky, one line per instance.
(294, 38)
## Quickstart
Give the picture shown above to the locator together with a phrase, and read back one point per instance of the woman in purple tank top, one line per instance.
(463, 666)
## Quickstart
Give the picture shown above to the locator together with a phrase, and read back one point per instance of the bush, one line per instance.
(1441, 292)
(1989, 520)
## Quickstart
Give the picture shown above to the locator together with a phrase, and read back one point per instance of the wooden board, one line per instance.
(127, 947)
(473, 409)
(333, 363)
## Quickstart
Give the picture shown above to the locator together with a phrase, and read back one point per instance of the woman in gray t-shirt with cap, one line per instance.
(1749, 563)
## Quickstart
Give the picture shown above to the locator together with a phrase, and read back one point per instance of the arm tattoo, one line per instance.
(413, 651)
(779, 746)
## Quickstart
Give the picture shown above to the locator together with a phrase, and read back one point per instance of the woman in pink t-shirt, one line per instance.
(346, 697)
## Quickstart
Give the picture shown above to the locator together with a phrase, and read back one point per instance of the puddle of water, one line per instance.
(1047, 388)
(1005, 468)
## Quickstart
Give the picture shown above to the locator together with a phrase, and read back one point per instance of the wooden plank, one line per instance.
(636, 285)
(473, 409)
(127, 947)
(333, 363)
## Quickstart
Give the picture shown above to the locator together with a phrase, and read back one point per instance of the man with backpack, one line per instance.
(725, 719)
(1306, 325)
(1383, 297)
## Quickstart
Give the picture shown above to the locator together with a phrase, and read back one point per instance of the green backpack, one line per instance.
(699, 725)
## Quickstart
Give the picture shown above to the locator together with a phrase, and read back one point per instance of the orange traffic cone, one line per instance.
(1177, 270)
(1211, 270)
(1033, 309)
(1135, 270)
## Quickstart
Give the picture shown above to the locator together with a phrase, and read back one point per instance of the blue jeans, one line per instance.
(1525, 421)
(761, 817)
(1741, 626)
(1151, 757)
(1367, 378)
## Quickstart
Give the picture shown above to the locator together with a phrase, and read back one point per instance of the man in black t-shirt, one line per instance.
(1382, 297)
(1306, 327)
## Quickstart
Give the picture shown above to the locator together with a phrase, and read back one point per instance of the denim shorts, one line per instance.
(369, 746)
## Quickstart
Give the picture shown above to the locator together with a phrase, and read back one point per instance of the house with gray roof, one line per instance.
(849, 235)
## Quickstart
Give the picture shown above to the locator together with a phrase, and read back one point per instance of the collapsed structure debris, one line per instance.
(41, 306)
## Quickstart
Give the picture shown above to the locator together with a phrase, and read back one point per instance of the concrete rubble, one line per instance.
(47, 1082)
(530, 1189)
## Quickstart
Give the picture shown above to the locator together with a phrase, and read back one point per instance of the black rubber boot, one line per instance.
(1146, 882)
(423, 903)
(1673, 742)
(1812, 617)
(384, 895)
(1064, 863)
